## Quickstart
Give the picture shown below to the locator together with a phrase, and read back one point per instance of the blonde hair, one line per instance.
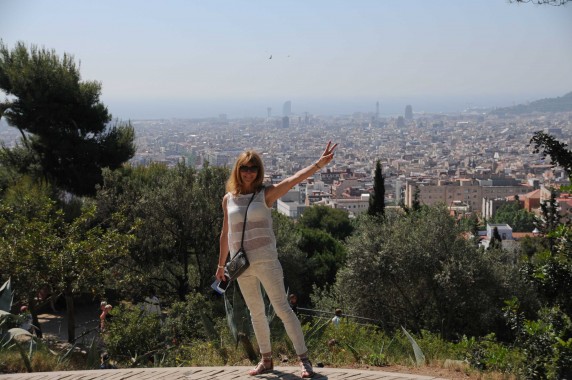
(234, 183)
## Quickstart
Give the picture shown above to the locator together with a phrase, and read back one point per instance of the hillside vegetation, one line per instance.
(558, 104)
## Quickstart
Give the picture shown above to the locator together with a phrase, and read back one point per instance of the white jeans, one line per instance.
(270, 275)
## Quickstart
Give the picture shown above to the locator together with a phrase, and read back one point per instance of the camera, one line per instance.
(220, 286)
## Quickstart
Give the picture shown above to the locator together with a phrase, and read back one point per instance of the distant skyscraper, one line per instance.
(287, 108)
(269, 111)
(285, 122)
(408, 112)
(377, 110)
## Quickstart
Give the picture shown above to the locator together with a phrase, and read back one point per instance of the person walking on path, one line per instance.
(27, 322)
(337, 317)
(244, 186)
(104, 317)
(293, 300)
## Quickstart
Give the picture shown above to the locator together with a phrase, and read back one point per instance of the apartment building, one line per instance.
(354, 206)
(471, 192)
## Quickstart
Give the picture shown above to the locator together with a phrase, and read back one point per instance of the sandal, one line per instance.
(307, 370)
(264, 365)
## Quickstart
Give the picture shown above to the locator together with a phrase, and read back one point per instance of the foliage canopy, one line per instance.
(65, 129)
(179, 215)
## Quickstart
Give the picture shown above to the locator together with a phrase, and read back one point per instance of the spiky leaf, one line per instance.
(419, 357)
(6, 296)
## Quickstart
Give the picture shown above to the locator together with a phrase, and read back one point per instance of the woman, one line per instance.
(260, 246)
(104, 317)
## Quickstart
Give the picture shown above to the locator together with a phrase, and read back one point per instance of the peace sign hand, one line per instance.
(327, 156)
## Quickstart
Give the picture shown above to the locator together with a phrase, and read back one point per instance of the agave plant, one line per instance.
(7, 319)
(11, 337)
(238, 320)
(6, 296)
(419, 356)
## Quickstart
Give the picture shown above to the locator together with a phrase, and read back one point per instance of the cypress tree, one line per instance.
(496, 240)
(377, 199)
(416, 204)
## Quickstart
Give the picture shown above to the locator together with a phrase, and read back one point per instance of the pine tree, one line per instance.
(67, 135)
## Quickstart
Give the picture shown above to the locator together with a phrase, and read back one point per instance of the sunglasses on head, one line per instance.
(251, 169)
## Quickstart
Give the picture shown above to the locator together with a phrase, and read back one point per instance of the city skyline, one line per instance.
(204, 58)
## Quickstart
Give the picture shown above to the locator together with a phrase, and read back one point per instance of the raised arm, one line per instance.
(223, 240)
(273, 192)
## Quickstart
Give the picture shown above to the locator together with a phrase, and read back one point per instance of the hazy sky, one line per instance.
(191, 58)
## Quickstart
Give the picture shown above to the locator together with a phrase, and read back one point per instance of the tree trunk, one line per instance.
(185, 285)
(33, 308)
(70, 314)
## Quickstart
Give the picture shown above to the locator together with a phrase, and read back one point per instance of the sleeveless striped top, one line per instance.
(259, 238)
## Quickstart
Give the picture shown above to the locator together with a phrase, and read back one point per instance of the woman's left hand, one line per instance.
(327, 156)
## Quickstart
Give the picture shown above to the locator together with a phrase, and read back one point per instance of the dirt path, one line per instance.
(55, 325)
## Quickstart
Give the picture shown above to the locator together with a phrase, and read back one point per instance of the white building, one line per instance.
(291, 209)
(505, 232)
(354, 206)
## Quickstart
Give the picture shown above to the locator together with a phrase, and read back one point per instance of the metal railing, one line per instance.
(321, 314)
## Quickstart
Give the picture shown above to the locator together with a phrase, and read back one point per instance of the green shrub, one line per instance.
(538, 349)
(563, 363)
(132, 333)
(436, 349)
(355, 343)
(183, 323)
(486, 354)
(545, 342)
(200, 352)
